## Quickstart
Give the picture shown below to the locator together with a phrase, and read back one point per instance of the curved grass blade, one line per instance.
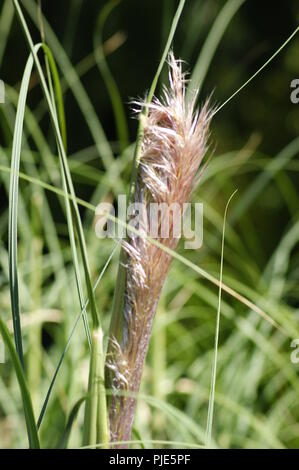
(81, 68)
(75, 85)
(208, 50)
(14, 205)
(257, 72)
(70, 187)
(138, 436)
(214, 368)
(27, 403)
(13, 209)
(73, 415)
(58, 94)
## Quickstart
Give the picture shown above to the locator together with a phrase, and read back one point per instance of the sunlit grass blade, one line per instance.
(28, 409)
(214, 367)
(13, 210)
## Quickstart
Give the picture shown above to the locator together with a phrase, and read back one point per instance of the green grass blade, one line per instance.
(13, 210)
(171, 34)
(76, 86)
(258, 71)
(208, 50)
(68, 428)
(28, 409)
(59, 117)
(214, 368)
(77, 219)
(58, 94)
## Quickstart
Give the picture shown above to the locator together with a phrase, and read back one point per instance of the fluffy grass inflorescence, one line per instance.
(173, 146)
(256, 398)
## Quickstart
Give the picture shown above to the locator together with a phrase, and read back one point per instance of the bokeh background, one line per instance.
(254, 146)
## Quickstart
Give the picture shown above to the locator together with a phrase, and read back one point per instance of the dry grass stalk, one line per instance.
(173, 146)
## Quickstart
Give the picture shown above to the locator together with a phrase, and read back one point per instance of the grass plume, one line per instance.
(172, 149)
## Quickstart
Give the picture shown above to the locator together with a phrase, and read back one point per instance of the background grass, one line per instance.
(255, 149)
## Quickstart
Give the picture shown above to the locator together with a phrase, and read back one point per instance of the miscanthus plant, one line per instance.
(172, 148)
(103, 370)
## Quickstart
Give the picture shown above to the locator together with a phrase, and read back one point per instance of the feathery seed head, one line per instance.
(173, 146)
(174, 141)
